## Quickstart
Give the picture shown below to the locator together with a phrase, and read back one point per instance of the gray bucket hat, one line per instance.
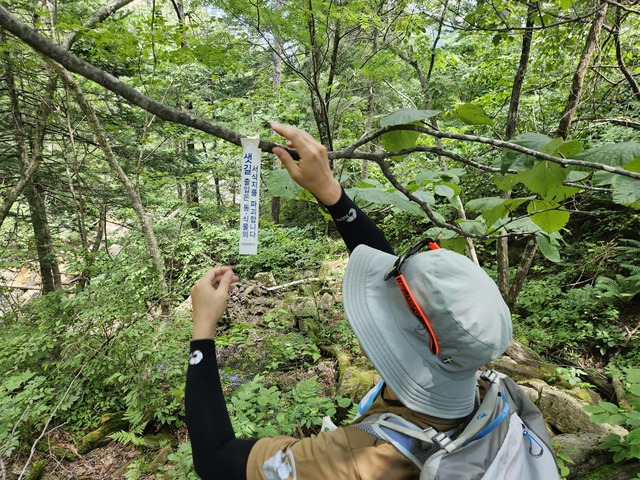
(469, 318)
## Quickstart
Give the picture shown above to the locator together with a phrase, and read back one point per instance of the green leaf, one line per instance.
(626, 191)
(378, 196)
(633, 166)
(280, 184)
(570, 148)
(566, 4)
(552, 147)
(407, 115)
(444, 191)
(634, 437)
(617, 419)
(549, 216)
(609, 407)
(473, 226)
(599, 418)
(545, 179)
(343, 402)
(614, 154)
(507, 182)
(576, 176)
(548, 247)
(399, 140)
(472, 115)
(593, 409)
(484, 203)
(457, 244)
(520, 161)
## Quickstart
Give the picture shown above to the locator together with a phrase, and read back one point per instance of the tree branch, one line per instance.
(349, 152)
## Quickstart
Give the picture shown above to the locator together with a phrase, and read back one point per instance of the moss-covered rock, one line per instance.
(99, 437)
(37, 470)
(356, 382)
(159, 460)
(159, 440)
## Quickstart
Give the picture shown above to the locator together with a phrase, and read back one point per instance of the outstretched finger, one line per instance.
(287, 160)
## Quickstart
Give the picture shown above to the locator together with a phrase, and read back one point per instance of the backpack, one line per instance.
(504, 439)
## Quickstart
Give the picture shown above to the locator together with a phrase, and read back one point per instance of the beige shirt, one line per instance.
(345, 454)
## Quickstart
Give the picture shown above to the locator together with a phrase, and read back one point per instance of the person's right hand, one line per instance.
(312, 171)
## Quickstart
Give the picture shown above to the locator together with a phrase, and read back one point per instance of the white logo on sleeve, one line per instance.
(196, 357)
(349, 217)
(282, 466)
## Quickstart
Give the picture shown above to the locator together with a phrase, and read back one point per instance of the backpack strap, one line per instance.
(413, 442)
(419, 445)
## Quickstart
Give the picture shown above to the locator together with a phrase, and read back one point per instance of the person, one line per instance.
(426, 320)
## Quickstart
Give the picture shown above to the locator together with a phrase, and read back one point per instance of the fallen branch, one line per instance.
(16, 287)
(291, 284)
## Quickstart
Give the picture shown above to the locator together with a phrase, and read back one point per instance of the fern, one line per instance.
(126, 438)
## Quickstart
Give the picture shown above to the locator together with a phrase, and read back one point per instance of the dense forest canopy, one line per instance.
(506, 130)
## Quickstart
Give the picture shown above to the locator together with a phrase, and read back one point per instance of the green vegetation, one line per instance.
(506, 138)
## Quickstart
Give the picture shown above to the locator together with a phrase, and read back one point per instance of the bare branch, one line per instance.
(622, 7)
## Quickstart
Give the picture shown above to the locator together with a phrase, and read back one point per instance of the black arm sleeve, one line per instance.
(217, 453)
(356, 227)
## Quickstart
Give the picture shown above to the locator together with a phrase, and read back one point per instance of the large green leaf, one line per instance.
(545, 179)
(471, 115)
(473, 226)
(614, 154)
(626, 191)
(549, 216)
(280, 184)
(407, 115)
(378, 196)
(548, 247)
(570, 149)
(484, 203)
(399, 140)
(633, 166)
(520, 161)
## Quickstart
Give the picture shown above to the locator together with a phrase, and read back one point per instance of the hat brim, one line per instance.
(387, 331)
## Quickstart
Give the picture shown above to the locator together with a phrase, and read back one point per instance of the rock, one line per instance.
(114, 249)
(100, 436)
(266, 278)
(522, 354)
(518, 371)
(582, 450)
(159, 460)
(326, 301)
(532, 393)
(625, 471)
(564, 412)
(155, 441)
(332, 269)
(356, 382)
(303, 307)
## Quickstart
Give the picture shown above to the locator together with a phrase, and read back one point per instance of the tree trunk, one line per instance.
(502, 244)
(512, 116)
(578, 78)
(524, 266)
(49, 271)
(277, 84)
(635, 88)
(134, 197)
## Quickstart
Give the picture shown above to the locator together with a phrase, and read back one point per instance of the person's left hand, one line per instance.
(209, 300)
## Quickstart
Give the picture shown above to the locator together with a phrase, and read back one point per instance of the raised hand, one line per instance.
(312, 171)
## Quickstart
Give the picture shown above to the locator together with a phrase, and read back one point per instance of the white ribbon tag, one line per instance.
(250, 199)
